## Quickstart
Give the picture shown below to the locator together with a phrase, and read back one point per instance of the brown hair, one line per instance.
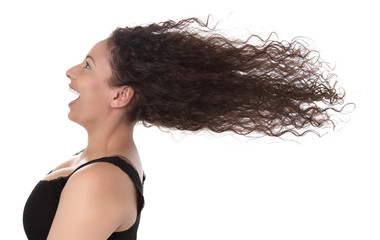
(193, 78)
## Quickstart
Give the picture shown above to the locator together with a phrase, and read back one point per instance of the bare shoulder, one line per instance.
(103, 181)
(98, 198)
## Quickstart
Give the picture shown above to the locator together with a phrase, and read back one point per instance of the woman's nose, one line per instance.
(70, 73)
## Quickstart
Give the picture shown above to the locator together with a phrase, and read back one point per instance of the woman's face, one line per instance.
(91, 80)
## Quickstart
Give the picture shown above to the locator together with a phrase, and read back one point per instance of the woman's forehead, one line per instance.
(100, 52)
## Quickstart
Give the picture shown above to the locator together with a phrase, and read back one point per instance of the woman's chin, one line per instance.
(71, 116)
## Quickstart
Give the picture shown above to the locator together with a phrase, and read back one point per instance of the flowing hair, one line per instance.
(187, 76)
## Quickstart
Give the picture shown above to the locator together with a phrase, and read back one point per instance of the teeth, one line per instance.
(73, 91)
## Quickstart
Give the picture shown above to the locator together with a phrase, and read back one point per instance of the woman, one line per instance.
(178, 76)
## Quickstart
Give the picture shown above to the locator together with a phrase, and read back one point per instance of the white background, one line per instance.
(200, 186)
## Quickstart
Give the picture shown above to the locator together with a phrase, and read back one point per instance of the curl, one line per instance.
(186, 76)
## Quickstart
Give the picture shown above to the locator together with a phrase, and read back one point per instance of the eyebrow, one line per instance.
(88, 56)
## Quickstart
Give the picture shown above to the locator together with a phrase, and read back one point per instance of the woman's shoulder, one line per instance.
(106, 183)
(96, 195)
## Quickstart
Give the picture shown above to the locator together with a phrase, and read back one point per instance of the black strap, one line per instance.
(122, 164)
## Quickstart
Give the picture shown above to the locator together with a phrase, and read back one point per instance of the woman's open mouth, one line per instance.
(75, 92)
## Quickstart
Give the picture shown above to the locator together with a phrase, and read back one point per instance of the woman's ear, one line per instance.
(122, 96)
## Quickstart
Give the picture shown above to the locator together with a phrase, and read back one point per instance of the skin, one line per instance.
(99, 199)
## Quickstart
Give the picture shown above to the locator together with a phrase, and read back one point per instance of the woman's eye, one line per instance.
(87, 66)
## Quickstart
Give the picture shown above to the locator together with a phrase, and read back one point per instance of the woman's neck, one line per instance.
(110, 139)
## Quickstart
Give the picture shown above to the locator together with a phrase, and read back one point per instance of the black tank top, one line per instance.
(42, 203)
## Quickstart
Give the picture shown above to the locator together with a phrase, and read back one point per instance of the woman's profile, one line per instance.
(179, 75)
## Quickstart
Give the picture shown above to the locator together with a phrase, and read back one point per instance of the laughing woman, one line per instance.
(177, 75)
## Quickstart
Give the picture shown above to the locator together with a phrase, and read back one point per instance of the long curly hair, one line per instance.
(187, 76)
